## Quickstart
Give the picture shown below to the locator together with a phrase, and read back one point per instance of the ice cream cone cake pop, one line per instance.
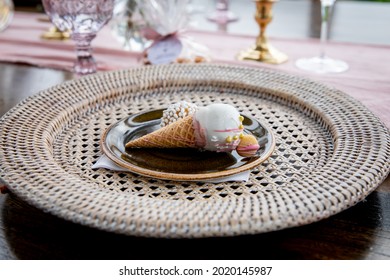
(216, 127)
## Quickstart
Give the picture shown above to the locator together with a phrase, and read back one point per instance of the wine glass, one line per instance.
(222, 14)
(323, 64)
(84, 18)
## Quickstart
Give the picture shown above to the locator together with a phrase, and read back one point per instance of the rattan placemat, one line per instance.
(331, 152)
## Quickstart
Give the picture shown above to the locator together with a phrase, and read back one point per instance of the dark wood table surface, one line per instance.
(361, 232)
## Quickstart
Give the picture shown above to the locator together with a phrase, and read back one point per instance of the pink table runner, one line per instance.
(367, 80)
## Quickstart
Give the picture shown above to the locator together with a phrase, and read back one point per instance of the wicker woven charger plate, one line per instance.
(331, 152)
(180, 164)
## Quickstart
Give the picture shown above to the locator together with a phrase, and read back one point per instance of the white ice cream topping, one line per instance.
(218, 127)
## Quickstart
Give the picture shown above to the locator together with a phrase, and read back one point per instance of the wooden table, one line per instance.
(361, 232)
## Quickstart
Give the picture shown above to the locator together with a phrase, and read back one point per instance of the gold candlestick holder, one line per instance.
(263, 51)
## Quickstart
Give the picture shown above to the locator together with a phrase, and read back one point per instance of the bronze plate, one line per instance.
(181, 164)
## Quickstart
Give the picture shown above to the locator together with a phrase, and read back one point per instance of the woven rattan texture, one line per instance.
(331, 152)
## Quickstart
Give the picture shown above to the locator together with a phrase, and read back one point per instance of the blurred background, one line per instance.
(292, 19)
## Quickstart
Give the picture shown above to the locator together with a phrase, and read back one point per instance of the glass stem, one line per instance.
(326, 8)
(85, 63)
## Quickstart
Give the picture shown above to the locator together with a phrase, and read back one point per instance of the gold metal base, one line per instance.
(267, 55)
(263, 51)
(55, 34)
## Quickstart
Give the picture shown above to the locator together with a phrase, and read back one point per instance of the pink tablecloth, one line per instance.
(368, 79)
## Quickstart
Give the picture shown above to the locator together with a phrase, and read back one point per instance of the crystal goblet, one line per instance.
(322, 63)
(84, 18)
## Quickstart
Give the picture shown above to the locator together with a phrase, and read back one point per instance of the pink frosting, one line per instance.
(248, 147)
(200, 138)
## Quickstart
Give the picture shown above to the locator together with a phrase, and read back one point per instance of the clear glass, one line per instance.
(83, 18)
(127, 24)
(6, 13)
(222, 14)
(323, 64)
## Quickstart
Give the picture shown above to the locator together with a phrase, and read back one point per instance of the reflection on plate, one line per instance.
(179, 164)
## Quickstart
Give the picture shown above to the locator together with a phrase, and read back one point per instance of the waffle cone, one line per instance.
(180, 134)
